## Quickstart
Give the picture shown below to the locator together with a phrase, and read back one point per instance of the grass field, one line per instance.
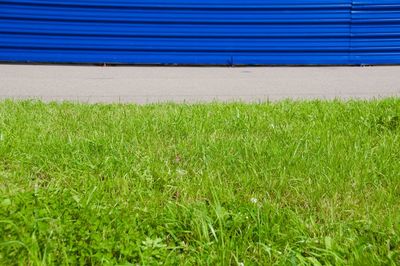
(287, 183)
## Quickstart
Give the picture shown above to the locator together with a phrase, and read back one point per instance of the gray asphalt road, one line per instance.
(195, 84)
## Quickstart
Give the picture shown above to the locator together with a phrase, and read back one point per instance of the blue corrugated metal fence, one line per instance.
(227, 32)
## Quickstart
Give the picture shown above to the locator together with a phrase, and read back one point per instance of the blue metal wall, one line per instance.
(201, 31)
(375, 32)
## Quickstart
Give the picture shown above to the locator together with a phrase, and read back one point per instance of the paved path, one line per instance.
(195, 84)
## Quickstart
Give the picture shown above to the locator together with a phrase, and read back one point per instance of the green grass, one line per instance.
(287, 183)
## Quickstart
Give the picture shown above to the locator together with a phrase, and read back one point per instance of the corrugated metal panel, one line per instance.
(199, 32)
(375, 32)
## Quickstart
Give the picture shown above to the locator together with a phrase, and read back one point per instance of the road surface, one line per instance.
(135, 84)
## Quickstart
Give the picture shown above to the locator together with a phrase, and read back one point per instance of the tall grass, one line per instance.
(287, 183)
